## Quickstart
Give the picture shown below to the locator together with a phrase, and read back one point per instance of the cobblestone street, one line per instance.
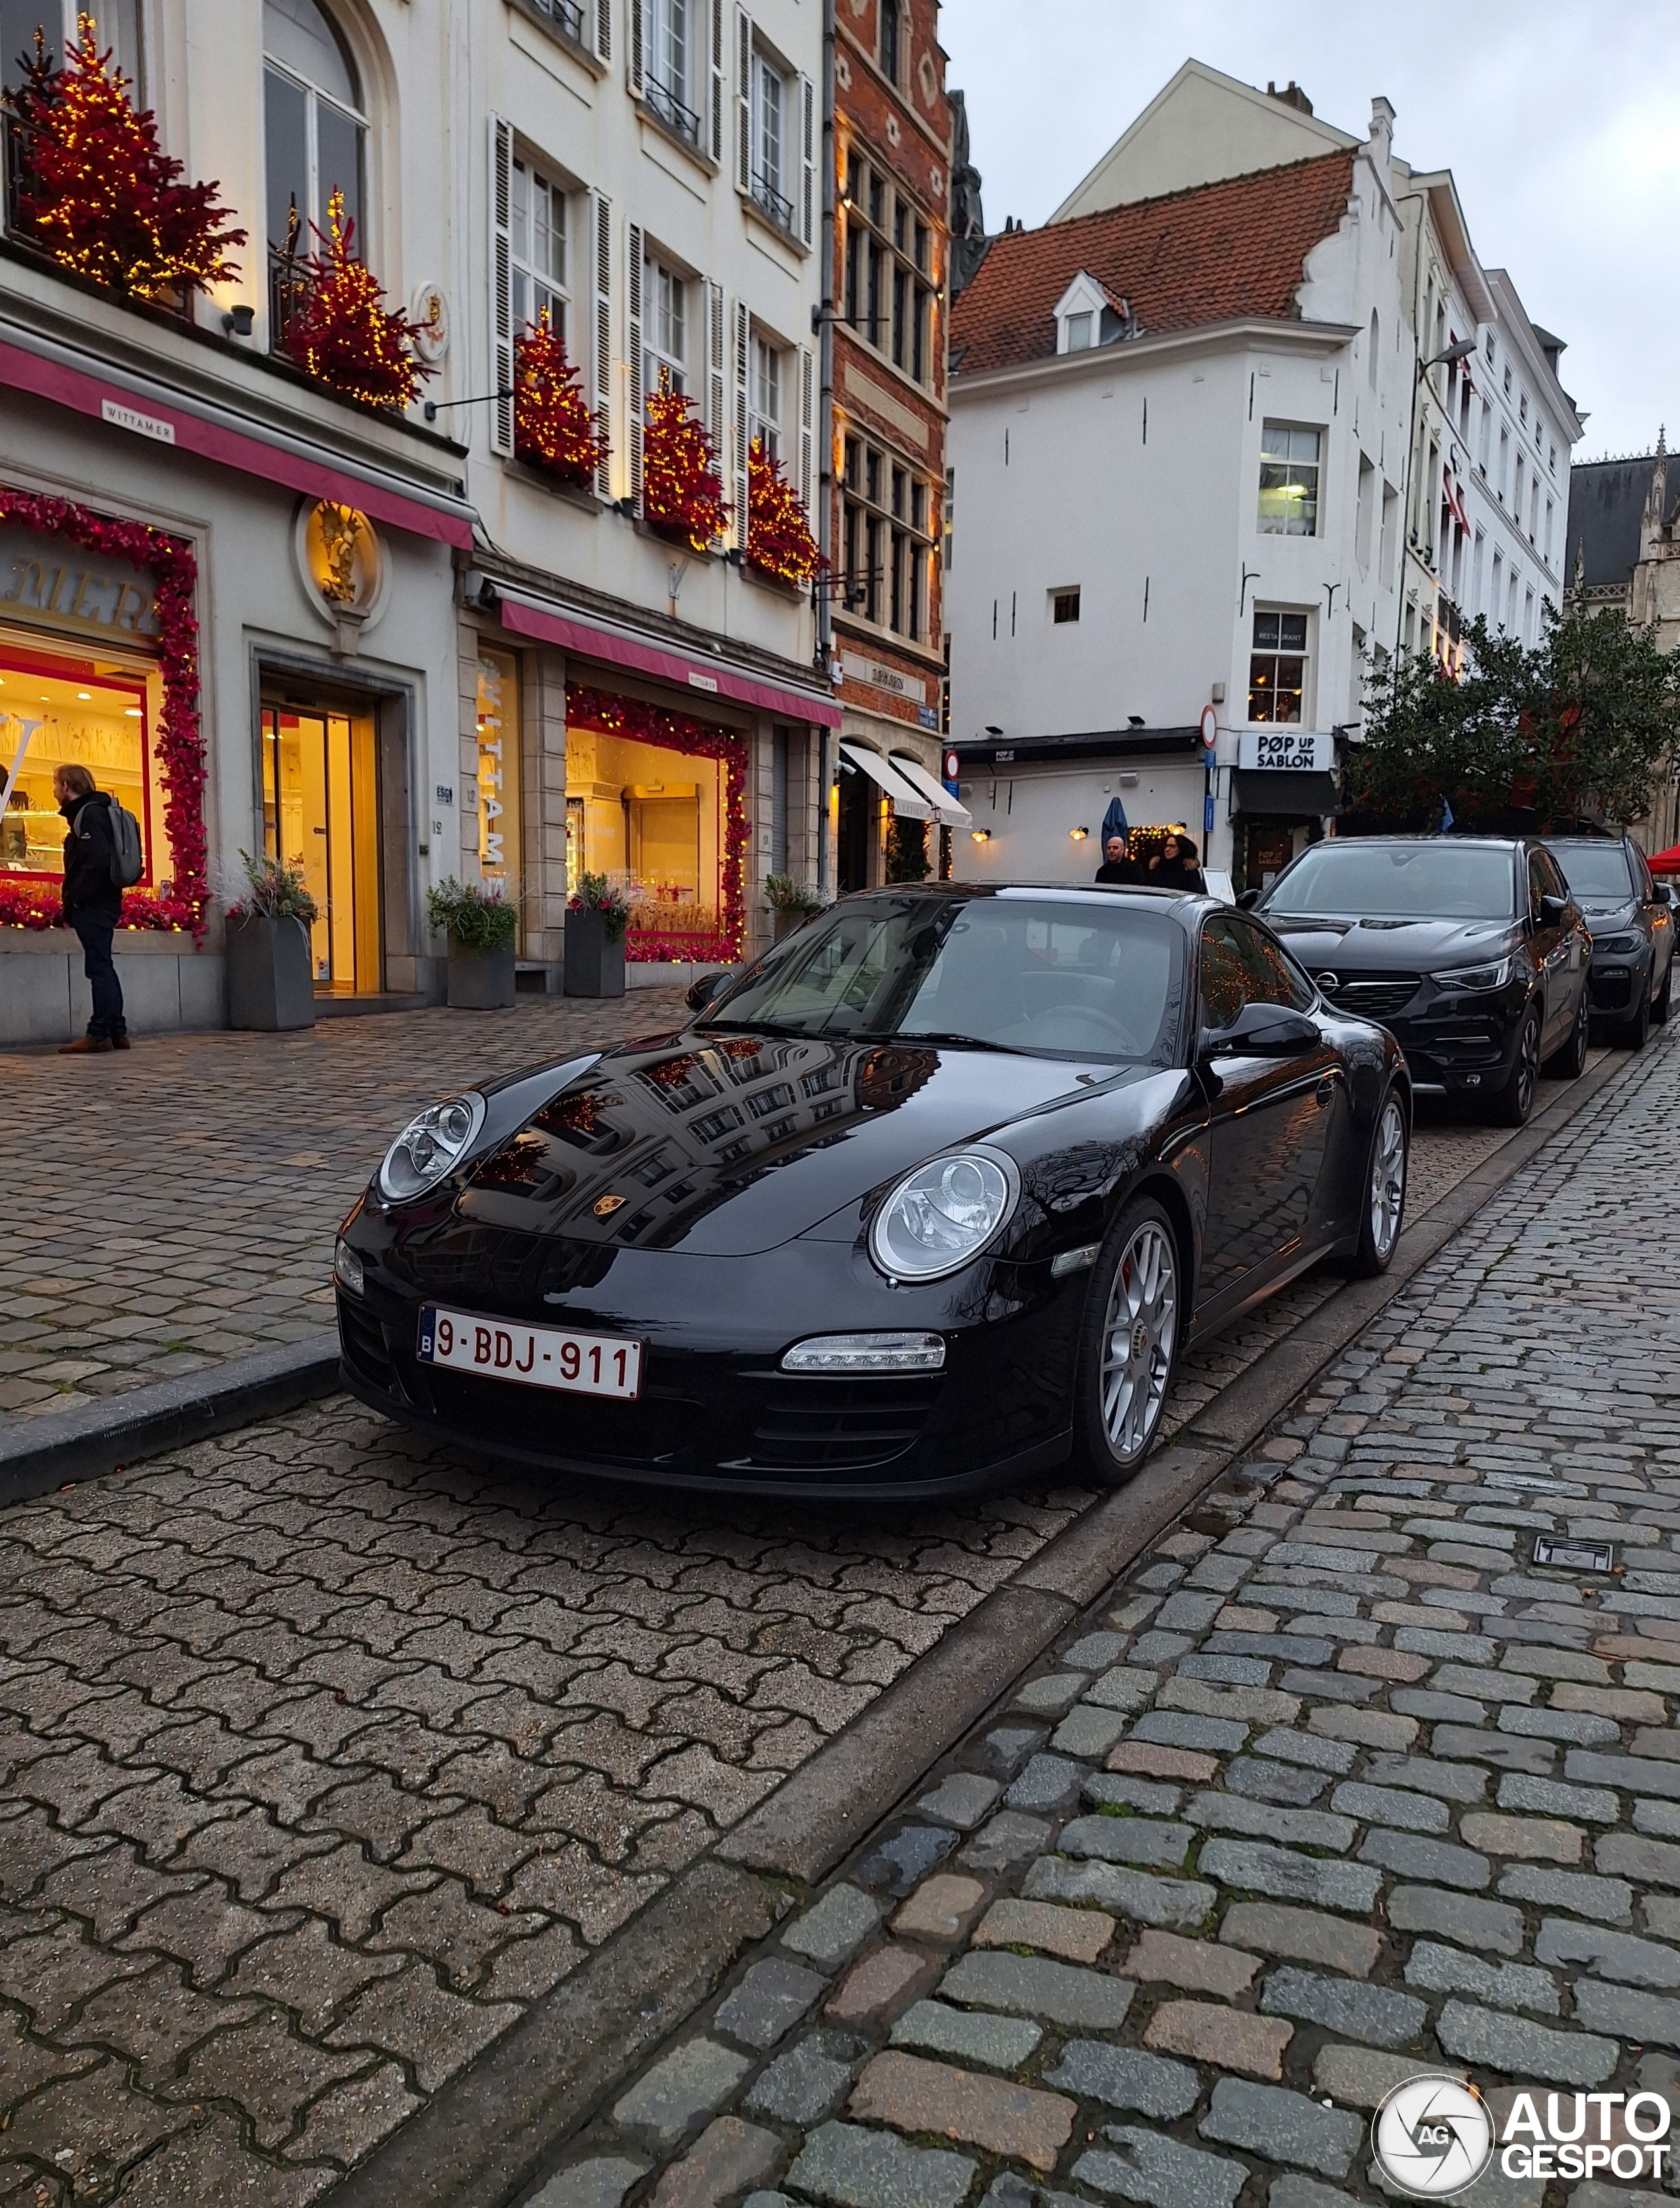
(323, 1754)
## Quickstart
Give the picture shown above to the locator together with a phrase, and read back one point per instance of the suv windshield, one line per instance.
(1595, 870)
(1002, 973)
(1351, 878)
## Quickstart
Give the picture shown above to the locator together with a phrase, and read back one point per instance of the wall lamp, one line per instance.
(239, 322)
(1079, 834)
(980, 834)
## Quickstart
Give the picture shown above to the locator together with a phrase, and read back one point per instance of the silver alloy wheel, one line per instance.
(1388, 1177)
(1139, 1334)
(1527, 1064)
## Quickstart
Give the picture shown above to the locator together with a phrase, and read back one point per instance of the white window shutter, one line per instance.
(720, 88)
(603, 30)
(637, 43)
(634, 273)
(716, 364)
(743, 337)
(808, 115)
(743, 100)
(807, 430)
(502, 283)
(601, 228)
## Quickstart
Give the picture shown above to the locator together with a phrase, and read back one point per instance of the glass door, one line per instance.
(320, 814)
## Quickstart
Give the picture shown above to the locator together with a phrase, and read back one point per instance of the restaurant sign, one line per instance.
(1300, 751)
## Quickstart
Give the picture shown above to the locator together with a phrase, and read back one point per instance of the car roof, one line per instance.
(1593, 840)
(1374, 842)
(1063, 892)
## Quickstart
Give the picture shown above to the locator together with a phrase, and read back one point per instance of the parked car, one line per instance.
(1470, 949)
(931, 1197)
(1632, 920)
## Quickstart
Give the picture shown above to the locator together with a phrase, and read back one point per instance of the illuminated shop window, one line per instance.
(85, 715)
(651, 819)
(499, 814)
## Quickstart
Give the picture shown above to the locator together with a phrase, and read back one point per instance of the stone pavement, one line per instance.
(176, 1208)
(1340, 1784)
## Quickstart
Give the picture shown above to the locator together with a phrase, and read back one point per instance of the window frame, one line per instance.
(886, 523)
(890, 279)
(1278, 654)
(665, 295)
(1287, 463)
(522, 268)
(315, 98)
(769, 187)
(766, 353)
(672, 26)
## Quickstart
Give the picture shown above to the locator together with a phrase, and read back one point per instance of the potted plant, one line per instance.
(596, 917)
(791, 902)
(270, 980)
(481, 925)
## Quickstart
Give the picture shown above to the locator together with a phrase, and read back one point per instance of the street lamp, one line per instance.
(1460, 349)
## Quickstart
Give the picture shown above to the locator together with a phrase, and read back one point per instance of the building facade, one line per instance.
(885, 362)
(1189, 425)
(384, 638)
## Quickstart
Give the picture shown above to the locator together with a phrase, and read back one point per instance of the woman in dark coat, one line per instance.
(1176, 868)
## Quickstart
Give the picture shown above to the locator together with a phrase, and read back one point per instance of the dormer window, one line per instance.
(1089, 313)
(1078, 337)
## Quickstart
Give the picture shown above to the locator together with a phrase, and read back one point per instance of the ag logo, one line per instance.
(1432, 2136)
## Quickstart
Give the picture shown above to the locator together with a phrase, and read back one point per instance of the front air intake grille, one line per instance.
(822, 1425)
(1379, 997)
(362, 1338)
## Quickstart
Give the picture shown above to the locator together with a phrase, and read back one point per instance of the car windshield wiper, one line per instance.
(938, 1035)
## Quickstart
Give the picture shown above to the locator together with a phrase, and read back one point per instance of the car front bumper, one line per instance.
(1461, 1048)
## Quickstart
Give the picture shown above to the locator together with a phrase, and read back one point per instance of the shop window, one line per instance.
(82, 714)
(538, 241)
(321, 814)
(651, 819)
(1288, 481)
(116, 24)
(500, 812)
(314, 124)
(1277, 668)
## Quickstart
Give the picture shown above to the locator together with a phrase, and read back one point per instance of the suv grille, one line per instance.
(1378, 999)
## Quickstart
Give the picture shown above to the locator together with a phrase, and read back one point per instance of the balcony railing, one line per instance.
(771, 203)
(673, 112)
(566, 15)
(290, 285)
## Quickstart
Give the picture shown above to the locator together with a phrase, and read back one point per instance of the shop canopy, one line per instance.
(908, 802)
(1285, 794)
(1666, 862)
(950, 811)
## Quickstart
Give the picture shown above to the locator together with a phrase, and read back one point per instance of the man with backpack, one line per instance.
(95, 866)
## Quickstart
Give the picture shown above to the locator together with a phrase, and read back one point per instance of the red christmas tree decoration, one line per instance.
(552, 427)
(97, 191)
(680, 489)
(778, 537)
(339, 328)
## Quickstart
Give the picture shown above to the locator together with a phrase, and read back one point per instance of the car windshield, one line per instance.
(1050, 979)
(1595, 870)
(1350, 879)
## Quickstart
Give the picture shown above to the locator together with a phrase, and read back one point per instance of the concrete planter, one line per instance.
(482, 981)
(168, 984)
(269, 982)
(594, 967)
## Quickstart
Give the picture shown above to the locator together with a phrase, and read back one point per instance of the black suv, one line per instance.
(1470, 949)
(1633, 931)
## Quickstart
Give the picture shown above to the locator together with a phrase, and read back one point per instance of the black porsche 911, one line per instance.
(931, 1197)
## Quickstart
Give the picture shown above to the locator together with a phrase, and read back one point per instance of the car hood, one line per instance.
(1603, 915)
(1391, 946)
(732, 1144)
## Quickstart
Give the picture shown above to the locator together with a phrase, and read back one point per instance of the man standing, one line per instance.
(92, 903)
(1117, 866)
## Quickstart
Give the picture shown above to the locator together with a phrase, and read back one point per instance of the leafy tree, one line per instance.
(1607, 716)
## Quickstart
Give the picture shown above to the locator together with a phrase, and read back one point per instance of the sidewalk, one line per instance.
(1341, 1783)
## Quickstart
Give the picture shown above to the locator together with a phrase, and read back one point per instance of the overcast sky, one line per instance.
(1556, 117)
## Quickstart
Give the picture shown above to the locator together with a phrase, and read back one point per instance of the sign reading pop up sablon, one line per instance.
(1305, 751)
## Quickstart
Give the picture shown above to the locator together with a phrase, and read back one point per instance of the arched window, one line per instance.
(315, 124)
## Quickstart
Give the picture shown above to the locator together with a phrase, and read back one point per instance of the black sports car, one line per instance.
(931, 1197)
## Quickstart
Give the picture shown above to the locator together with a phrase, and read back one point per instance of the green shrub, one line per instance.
(275, 891)
(477, 919)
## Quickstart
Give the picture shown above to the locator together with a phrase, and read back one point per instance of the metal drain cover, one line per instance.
(1574, 1556)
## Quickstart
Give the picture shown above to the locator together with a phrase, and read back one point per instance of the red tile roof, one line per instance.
(1212, 254)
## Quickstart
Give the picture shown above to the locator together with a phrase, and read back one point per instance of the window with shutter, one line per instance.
(600, 229)
(808, 109)
(637, 57)
(720, 95)
(501, 272)
(807, 426)
(739, 367)
(632, 296)
(743, 101)
(716, 368)
(603, 30)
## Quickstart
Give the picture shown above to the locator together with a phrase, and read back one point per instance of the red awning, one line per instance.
(713, 681)
(1666, 862)
(144, 416)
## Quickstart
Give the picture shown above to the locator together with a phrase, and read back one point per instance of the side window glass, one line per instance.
(1273, 980)
(1556, 885)
(1537, 882)
(1225, 977)
(1642, 874)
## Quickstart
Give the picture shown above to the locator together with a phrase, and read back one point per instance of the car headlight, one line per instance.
(944, 1214)
(1470, 978)
(1616, 942)
(868, 1353)
(433, 1142)
(347, 1270)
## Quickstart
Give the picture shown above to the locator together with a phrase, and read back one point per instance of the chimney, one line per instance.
(1290, 96)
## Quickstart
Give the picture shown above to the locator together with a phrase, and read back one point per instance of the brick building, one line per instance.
(884, 360)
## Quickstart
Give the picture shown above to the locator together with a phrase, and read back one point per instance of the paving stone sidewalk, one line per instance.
(1338, 1784)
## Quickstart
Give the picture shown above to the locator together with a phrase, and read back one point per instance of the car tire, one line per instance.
(1383, 1197)
(1136, 1313)
(1511, 1105)
(1631, 1033)
(1571, 1062)
(1662, 1002)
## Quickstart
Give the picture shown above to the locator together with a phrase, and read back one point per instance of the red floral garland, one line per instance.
(179, 744)
(650, 724)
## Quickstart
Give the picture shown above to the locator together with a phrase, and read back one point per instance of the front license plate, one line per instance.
(536, 1356)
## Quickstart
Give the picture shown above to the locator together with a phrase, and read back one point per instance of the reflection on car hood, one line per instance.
(731, 1144)
(1604, 914)
(1391, 946)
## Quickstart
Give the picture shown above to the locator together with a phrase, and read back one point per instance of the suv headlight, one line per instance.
(1616, 942)
(944, 1214)
(1473, 978)
(433, 1142)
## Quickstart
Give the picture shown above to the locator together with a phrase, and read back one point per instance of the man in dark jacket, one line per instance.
(92, 903)
(1118, 867)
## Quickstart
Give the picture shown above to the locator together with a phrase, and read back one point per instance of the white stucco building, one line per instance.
(416, 655)
(1190, 443)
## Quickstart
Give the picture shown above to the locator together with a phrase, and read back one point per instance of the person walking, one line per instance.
(92, 904)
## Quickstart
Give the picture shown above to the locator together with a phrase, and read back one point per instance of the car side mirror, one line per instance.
(1662, 893)
(1553, 911)
(1248, 900)
(699, 994)
(1261, 1031)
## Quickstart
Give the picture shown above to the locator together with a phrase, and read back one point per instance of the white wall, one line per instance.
(1030, 810)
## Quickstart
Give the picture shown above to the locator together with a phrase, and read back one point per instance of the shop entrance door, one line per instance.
(320, 812)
